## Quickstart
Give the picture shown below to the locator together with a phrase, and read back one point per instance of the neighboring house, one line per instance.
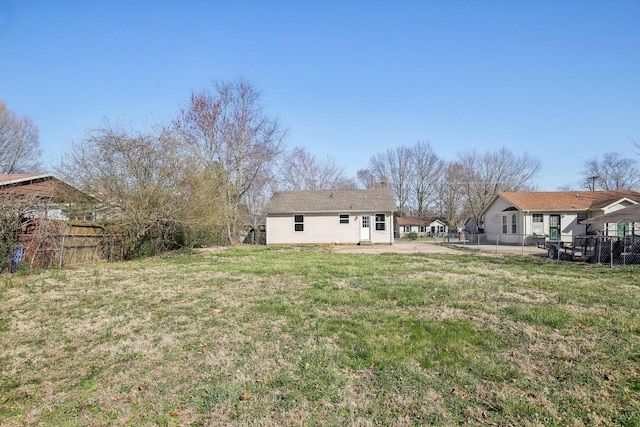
(421, 226)
(40, 207)
(43, 195)
(552, 215)
(331, 217)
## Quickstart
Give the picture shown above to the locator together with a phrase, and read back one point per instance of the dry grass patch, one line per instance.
(305, 336)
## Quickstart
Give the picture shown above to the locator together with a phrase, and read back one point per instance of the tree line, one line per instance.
(205, 177)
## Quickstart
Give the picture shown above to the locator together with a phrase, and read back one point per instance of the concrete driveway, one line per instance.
(406, 246)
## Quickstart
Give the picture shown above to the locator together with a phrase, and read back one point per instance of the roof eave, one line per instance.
(26, 179)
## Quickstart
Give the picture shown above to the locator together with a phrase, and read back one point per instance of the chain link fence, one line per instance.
(598, 249)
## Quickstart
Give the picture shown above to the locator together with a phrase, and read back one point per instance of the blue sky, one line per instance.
(558, 80)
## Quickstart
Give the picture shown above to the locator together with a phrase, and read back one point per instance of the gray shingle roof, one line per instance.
(338, 201)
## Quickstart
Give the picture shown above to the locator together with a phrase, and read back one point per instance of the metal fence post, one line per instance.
(61, 251)
(611, 253)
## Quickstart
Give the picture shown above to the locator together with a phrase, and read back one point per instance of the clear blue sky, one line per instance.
(559, 80)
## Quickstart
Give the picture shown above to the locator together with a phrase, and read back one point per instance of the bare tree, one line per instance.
(19, 143)
(143, 181)
(482, 176)
(395, 166)
(412, 173)
(255, 199)
(611, 172)
(368, 180)
(427, 172)
(449, 201)
(300, 170)
(231, 128)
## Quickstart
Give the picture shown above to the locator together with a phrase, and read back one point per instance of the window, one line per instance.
(298, 222)
(407, 229)
(423, 228)
(514, 224)
(537, 224)
(344, 219)
(504, 224)
(581, 216)
(380, 222)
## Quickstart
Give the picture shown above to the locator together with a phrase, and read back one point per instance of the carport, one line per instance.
(623, 247)
(630, 214)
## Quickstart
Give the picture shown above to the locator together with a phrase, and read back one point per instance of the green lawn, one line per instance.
(304, 336)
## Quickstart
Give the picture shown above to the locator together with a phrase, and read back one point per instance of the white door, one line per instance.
(365, 228)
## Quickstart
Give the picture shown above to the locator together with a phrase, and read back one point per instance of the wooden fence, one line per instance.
(69, 245)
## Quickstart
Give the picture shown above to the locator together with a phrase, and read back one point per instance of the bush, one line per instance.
(412, 236)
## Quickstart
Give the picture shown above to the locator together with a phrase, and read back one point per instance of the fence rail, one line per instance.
(51, 250)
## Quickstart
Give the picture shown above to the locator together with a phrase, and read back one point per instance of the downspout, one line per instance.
(392, 227)
(524, 226)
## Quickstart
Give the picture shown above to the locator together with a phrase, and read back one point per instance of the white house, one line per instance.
(330, 217)
(421, 226)
(552, 215)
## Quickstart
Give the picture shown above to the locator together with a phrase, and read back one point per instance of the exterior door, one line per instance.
(365, 228)
(554, 227)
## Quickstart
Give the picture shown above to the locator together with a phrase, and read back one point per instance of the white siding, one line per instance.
(324, 229)
(493, 217)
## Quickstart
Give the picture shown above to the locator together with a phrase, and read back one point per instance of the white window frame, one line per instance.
(298, 222)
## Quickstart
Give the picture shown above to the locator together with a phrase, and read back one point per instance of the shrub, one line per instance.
(412, 236)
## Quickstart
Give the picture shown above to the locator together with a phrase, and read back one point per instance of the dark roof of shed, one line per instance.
(336, 201)
(38, 185)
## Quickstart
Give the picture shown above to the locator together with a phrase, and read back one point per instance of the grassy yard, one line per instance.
(304, 336)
